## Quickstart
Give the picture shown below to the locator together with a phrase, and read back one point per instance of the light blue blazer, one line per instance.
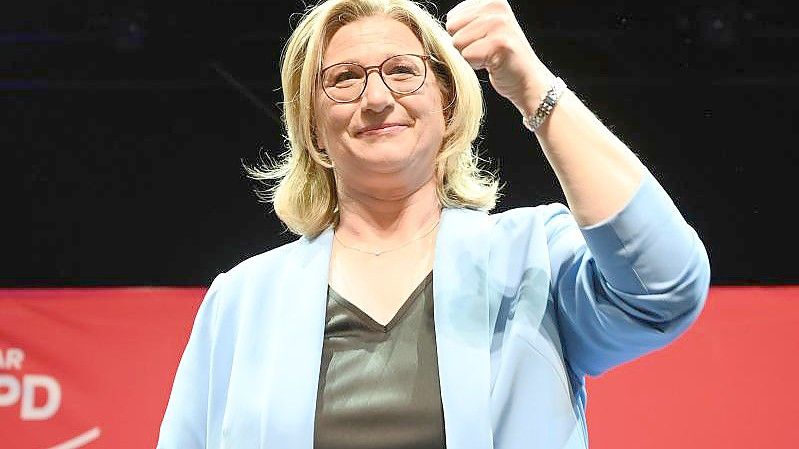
(526, 305)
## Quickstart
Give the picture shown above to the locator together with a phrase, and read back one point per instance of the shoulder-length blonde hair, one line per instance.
(304, 196)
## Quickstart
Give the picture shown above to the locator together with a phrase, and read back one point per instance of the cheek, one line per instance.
(336, 118)
(434, 116)
(437, 106)
(329, 125)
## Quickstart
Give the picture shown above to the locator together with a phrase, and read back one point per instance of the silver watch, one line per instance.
(534, 120)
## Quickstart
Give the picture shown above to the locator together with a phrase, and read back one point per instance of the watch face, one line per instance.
(535, 120)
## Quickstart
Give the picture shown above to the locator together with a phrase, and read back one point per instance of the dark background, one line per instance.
(123, 129)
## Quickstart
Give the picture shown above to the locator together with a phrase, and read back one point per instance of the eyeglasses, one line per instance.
(345, 82)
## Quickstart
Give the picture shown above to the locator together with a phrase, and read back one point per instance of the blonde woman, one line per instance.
(405, 315)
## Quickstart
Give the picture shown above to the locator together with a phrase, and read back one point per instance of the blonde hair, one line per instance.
(304, 196)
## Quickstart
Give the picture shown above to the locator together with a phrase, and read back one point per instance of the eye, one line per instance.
(403, 69)
(344, 76)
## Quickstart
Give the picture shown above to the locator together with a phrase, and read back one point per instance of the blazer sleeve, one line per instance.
(186, 417)
(628, 285)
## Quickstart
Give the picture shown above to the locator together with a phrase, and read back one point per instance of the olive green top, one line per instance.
(378, 385)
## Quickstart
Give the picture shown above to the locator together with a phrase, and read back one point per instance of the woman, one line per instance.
(405, 315)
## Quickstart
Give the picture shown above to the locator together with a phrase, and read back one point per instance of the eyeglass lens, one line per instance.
(402, 74)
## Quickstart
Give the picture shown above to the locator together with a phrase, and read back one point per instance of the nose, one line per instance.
(377, 96)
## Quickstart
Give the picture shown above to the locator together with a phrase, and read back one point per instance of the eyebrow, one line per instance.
(385, 56)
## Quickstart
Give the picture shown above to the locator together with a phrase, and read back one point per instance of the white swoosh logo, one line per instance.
(80, 440)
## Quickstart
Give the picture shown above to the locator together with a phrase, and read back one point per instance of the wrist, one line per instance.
(535, 119)
(536, 88)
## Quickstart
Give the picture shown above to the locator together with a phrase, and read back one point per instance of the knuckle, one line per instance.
(472, 58)
(499, 6)
(458, 41)
(501, 42)
(492, 19)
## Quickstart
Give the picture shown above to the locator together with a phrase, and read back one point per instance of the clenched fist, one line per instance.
(489, 37)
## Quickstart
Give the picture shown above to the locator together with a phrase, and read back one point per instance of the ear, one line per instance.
(319, 152)
(317, 142)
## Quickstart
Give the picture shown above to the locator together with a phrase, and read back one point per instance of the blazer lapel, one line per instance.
(460, 305)
(299, 331)
(462, 336)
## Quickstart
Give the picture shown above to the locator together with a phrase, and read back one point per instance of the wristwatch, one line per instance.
(534, 120)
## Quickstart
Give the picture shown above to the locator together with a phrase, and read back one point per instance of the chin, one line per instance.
(386, 166)
(386, 154)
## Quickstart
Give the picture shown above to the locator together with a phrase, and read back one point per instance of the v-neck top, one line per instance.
(378, 384)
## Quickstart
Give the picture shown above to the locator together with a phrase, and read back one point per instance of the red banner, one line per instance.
(93, 368)
(89, 367)
(729, 382)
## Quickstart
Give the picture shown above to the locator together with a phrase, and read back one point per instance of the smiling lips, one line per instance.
(383, 128)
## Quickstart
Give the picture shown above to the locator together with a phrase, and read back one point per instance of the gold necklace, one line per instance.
(377, 253)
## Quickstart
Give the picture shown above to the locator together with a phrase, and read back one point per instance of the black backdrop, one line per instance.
(124, 129)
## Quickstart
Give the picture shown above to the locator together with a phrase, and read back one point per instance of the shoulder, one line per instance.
(525, 217)
(254, 274)
(267, 261)
(544, 223)
(516, 247)
(514, 216)
(548, 219)
(545, 219)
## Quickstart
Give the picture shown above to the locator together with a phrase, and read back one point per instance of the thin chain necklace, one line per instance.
(377, 253)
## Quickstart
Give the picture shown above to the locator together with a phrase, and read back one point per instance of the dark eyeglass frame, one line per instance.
(379, 68)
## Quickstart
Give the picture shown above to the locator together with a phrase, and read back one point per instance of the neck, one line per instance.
(379, 221)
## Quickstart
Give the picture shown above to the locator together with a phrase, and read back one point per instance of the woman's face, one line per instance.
(400, 154)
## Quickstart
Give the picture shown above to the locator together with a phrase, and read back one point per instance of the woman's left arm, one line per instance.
(627, 272)
(597, 172)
